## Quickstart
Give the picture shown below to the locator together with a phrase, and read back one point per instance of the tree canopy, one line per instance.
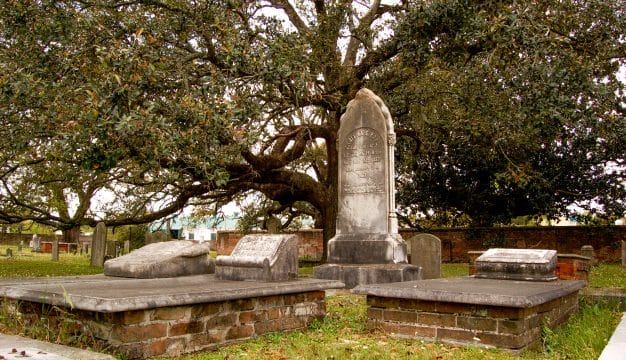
(502, 108)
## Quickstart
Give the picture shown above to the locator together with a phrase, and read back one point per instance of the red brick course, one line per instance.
(176, 330)
(498, 326)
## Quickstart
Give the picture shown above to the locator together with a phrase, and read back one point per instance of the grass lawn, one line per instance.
(343, 333)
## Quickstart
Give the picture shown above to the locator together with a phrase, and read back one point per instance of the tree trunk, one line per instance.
(71, 235)
(329, 213)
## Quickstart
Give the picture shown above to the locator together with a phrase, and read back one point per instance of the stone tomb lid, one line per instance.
(526, 256)
(113, 294)
(468, 290)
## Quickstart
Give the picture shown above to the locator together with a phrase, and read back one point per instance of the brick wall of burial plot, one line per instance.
(177, 330)
(362, 189)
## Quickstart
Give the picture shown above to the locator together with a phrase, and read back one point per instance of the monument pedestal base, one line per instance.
(362, 274)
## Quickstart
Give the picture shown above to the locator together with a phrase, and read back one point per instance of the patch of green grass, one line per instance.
(584, 336)
(454, 269)
(29, 264)
(608, 275)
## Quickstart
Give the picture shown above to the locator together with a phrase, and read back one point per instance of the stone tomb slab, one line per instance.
(143, 318)
(517, 264)
(504, 314)
(31, 349)
(261, 257)
(163, 259)
(359, 274)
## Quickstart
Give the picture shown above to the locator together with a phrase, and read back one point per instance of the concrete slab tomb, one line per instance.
(512, 296)
(143, 318)
(506, 314)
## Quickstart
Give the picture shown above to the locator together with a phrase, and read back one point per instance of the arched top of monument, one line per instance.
(367, 110)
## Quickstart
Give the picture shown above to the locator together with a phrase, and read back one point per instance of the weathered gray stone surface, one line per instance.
(469, 290)
(163, 260)
(426, 253)
(367, 228)
(55, 250)
(35, 243)
(264, 257)
(587, 251)
(113, 294)
(357, 274)
(110, 250)
(41, 350)
(98, 244)
(517, 264)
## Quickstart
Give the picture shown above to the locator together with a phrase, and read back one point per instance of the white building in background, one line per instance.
(185, 228)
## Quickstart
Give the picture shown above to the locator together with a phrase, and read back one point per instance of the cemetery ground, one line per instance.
(343, 333)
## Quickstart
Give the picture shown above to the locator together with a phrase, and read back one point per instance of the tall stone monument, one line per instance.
(366, 248)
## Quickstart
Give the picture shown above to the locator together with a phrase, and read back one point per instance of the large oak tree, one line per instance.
(503, 108)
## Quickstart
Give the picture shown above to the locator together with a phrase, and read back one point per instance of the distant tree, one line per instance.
(500, 106)
(521, 114)
(135, 234)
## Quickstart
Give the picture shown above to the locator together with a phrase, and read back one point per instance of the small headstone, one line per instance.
(9, 252)
(426, 252)
(111, 250)
(587, 251)
(163, 260)
(261, 257)
(55, 250)
(98, 244)
(36, 243)
(126, 247)
(517, 264)
(20, 246)
(273, 225)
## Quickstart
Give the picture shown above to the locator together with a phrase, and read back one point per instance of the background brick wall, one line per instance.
(456, 242)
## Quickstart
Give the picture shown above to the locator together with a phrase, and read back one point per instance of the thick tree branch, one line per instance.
(291, 13)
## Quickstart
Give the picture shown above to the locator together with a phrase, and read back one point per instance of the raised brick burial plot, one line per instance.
(144, 316)
(170, 316)
(492, 312)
